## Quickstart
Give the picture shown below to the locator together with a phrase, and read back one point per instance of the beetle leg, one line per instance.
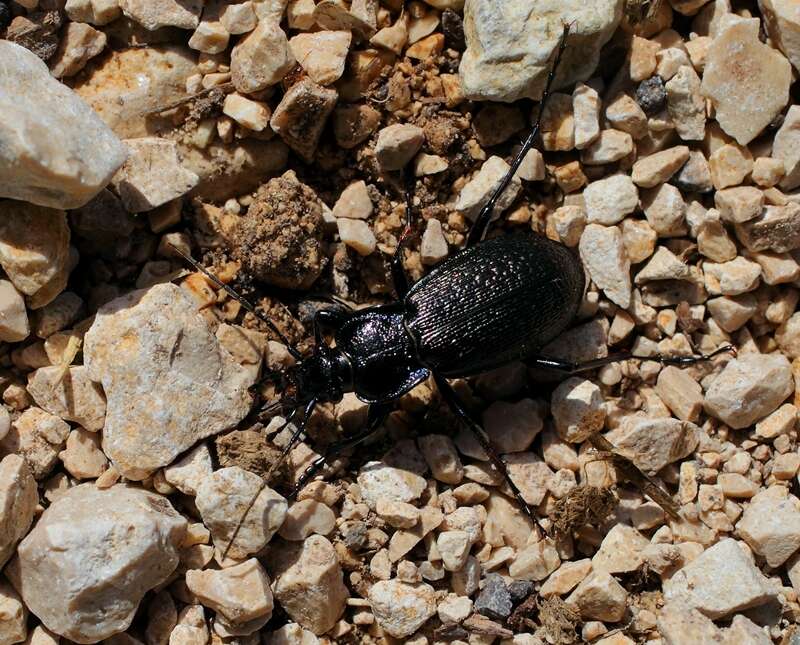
(479, 228)
(326, 319)
(399, 275)
(459, 409)
(570, 367)
(375, 417)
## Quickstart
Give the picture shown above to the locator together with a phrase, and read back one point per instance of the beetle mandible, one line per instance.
(493, 302)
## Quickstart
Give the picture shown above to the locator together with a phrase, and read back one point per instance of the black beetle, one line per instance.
(492, 303)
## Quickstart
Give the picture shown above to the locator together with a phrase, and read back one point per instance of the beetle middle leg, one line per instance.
(459, 409)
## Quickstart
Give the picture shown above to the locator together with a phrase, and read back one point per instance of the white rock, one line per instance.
(79, 43)
(786, 148)
(535, 562)
(18, 500)
(292, 633)
(433, 248)
(191, 470)
(603, 255)
(686, 105)
(665, 210)
(354, 202)
(621, 550)
(261, 59)
(305, 518)
(654, 443)
(749, 388)
(454, 609)
(152, 175)
(322, 54)
(771, 525)
(397, 145)
(14, 325)
(480, 188)
(154, 14)
(377, 480)
(454, 548)
(681, 623)
(56, 151)
(732, 278)
(442, 458)
(240, 593)
(95, 12)
(82, 456)
(531, 30)
(210, 37)
(253, 115)
(609, 200)
(720, 581)
(239, 18)
(71, 395)
(400, 515)
(586, 110)
(13, 617)
(223, 501)
(93, 555)
(600, 597)
(168, 381)
(357, 235)
(612, 145)
(512, 427)
(401, 608)
(37, 436)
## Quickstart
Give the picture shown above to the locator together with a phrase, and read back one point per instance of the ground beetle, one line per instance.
(492, 303)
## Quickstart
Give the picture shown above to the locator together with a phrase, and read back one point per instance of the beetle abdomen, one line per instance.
(493, 303)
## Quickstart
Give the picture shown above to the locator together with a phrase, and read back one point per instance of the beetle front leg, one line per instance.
(459, 409)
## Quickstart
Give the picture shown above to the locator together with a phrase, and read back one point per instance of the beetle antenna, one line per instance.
(245, 303)
(293, 441)
(478, 229)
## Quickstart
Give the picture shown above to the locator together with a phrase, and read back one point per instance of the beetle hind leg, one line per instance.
(459, 409)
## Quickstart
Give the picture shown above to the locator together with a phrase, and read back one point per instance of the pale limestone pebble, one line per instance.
(566, 225)
(322, 54)
(13, 616)
(425, 164)
(720, 581)
(14, 324)
(732, 312)
(62, 171)
(394, 37)
(465, 519)
(714, 243)
(657, 168)
(665, 210)
(653, 443)
(331, 16)
(782, 421)
(127, 86)
(680, 623)
(776, 268)
(66, 556)
(301, 115)
(785, 148)
(494, 28)
(599, 597)
(739, 204)
(771, 525)
(354, 202)
(586, 106)
(191, 627)
(686, 105)
(768, 172)
(400, 515)
(603, 254)
(18, 500)
(453, 547)
(69, 394)
(737, 486)
(577, 408)
(680, 393)
(610, 146)
(239, 18)
(308, 584)
(401, 608)
(421, 26)
(95, 12)
(34, 250)
(730, 165)
(639, 239)
(379, 480)
(535, 562)
(746, 80)
(357, 235)
(40, 635)
(663, 265)
(223, 500)
(433, 247)
(160, 404)
(307, 517)
(82, 456)
(210, 37)
(558, 123)
(512, 427)
(261, 58)
(566, 578)
(253, 115)
(37, 437)
(671, 59)
(189, 472)
(154, 14)
(695, 176)
(58, 314)
(454, 608)
(79, 43)
(732, 278)
(479, 189)
(397, 145)
(290, 634)
(442, 458)
(240, 593)
(777, 228)
(609, 200)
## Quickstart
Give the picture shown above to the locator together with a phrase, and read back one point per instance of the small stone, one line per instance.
(18, 500)
(153, 15)
(433, 248)
(731, 313)
(404, 540)
(749, 388)
(63, 171)
(714, 243)
(665, 210)
(720, 581)
(782, 421)
(657, 168)
(454, 547)
(777, 229)
(680, 392)
(152, 175)
(223, 501)
(72, 395)
(239, 18)
(253, 115)
(95, 12)
(535, 562)
(566, 225)
(394, 38)
(639, 240)
(79, 43)
(379, 480)
(670, 60)
(14, 325)
(36, 436)
(664, 265)
(240, 593)
(66, 557)
(603, 255)
(292, 634)
(737, 486)
(454, 609)
(425, 165)
(261, 58)
(586, 114)
(442, 458)
(771, 525)
(609, 200)
(653, 443)
(397, 145)
(732, 278)
(785, 148)
(210, 37)
(401, 608)
(400, 515)
(624, 114)
(512, 427)
(494, 599)
(610, 146)
(681, 623)
(746, 80)
(566, 578)
(332, 16)
(577, 408)
(13, 618)
(600, 597)
(695, 176)
(190, 471)
(740, 204)
(479, 189)
(730, 164)
(353, 124)
(304, 104)
(354, 202)
(322, 54)
(651, 95)
(686, 105)
(307, 517)
(82, 457)
(768, 172)
(558, 123)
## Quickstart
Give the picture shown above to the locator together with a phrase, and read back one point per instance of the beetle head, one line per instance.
(325, 376)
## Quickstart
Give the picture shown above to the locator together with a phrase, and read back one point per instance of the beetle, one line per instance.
(493, 302)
